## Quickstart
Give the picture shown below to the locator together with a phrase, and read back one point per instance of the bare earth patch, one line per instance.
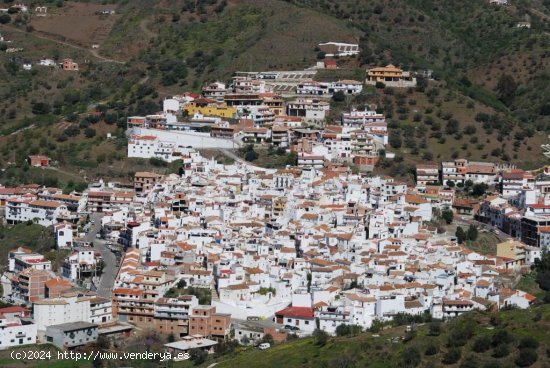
(77, 22)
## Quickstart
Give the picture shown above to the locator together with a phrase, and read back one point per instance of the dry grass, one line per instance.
(77, 22)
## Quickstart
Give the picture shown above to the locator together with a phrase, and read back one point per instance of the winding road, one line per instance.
(107, 280)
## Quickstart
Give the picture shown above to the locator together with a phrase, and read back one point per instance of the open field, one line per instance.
(77, 22)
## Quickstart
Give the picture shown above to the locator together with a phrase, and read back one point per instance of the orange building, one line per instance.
(206, 322)
(55, 287)
(38, 161)
(69, 64)
(391, 76)
(29, 284)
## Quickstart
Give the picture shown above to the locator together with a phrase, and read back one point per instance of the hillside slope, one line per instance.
(164, 47)
(474, 340)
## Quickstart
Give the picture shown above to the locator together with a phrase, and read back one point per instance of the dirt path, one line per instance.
(540, 14)
(73, 175)
(43, 37)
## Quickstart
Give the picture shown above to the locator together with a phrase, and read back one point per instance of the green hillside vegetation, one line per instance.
(488, 102)
(27, 235)
(453, 38)
(511, 338)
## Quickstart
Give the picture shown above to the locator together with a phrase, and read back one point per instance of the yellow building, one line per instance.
(391, 76)
(279, 205)
(274, 102)
(512, 249)
(208, 107)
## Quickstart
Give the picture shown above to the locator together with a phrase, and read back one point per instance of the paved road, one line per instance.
(111, 266)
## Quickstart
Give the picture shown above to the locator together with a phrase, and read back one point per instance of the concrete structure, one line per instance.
(339, 49)
(71, 335)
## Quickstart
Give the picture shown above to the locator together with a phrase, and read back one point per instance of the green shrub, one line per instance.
(452, 356)
(526, 357)
(481, 344)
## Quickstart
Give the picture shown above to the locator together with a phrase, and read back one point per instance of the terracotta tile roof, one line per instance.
(296, 312)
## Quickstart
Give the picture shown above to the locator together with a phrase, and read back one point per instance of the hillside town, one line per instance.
(233, 251)
(286, 110)
(236, 251)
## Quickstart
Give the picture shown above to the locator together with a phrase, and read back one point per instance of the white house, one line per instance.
(301, 317)
(41, 212)
(21, 258)
(331, 317)
(63, 235)
(16, 327)
(47, 62)
(81, 263)
(101, 310)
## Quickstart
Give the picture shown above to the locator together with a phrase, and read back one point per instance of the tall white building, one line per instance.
(49, 312)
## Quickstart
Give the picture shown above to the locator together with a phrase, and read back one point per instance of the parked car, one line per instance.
(264, 346)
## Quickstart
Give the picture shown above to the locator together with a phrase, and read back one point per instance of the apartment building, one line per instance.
(130, 305)
(106, 201)
(101, 311)
(515, 181)
(29, 284)
(216, 91)
(311, 110)
(71, 307)
(41, 212)
(356, 119)
(427, 174)
(280, 136)
(210, 107)
(171, 315)
(206, 322)
(455, 308)
(82, 263)
(461, 170)
(145, 181)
